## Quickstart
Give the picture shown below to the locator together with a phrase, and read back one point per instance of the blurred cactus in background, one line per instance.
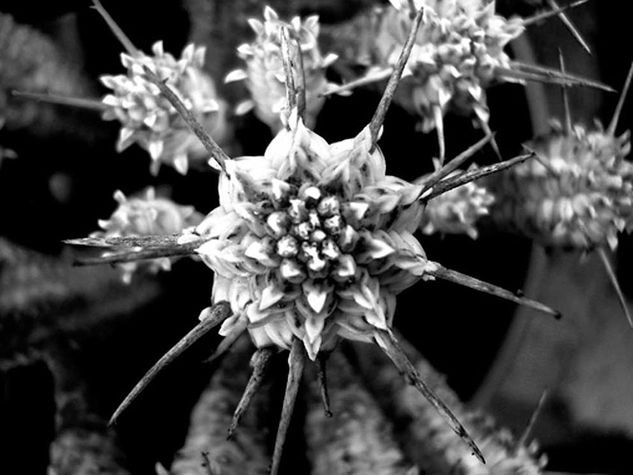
(330, 221)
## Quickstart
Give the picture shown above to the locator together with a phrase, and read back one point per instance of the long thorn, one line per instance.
(472, 175)
(532, 72)
(431, 180)
(321, 363)
(556, 11)
(439, 128)
(88, 104)
(289, 67)
(116, 29)
(570, 26)
(388, 343)
(523, 440)
(450, 275)
(260, 363)
(616, 285)
(379, 76)
(618, 109)
(392, 84)
(566, 107)
(217, 314)
(210, 145)
(296, 362)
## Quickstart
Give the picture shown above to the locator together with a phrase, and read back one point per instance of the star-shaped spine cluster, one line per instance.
(315, 244)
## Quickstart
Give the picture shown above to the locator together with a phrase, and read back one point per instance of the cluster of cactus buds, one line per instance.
(578, 195)
(458, 210)
(145, 214)
(149, 120)
(264, 71)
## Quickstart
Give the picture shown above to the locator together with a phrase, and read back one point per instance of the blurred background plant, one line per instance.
(75, 340)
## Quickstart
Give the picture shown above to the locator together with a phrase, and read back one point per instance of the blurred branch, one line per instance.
(358, 438)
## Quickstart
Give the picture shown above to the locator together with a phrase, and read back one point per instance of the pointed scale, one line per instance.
(260, 363)
(390, 346)
(439, 129)
(296, 363)
(456, 277)
(392, 84)
(228, 341)
(217, 314)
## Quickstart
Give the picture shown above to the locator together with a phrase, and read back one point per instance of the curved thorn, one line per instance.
(321, 363)
(296, 363)
(260, 363)
(429, 181)
(392, 84)
(217, 314)
(81, 103)
(116, 29)
(472, 175)
(618, 109)
(556, 11)
(390, 346)
(616, 285)
(441, 272)
(210, 145)
(523, 440)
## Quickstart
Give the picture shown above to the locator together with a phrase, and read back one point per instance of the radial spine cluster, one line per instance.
(313, 241)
